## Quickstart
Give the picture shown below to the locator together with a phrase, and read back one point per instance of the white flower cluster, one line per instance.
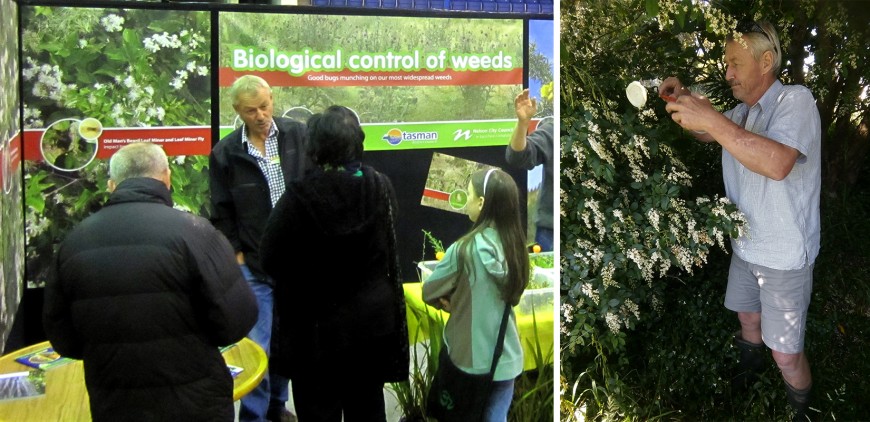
(718, 21)
(137, 106)
(598, 217)
(112, 23)
(607, 275)
(567, 313)
(199, 70)
(590, 292)
(32, 117)
(46, 80)
(579, 153)
(184, 41)
(636, 150)
(629, 308)
(157, 41)
(614, 322)
(653, 216)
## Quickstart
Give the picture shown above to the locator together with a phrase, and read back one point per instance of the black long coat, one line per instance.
(330, 246)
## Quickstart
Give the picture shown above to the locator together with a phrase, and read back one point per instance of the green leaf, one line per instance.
(681, 19)
(652, 8)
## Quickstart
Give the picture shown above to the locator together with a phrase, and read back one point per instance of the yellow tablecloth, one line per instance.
(536, 331)
(66, 397)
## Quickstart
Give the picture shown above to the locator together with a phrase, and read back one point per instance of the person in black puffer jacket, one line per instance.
(145, 295)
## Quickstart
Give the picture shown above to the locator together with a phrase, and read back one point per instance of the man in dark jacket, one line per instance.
(249, 169)
(145, 295)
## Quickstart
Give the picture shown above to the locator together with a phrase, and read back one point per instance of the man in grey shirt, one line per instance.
(529, 151)
(771, 150)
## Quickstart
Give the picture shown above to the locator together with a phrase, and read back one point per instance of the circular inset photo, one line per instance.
(300, 114)
(458, 199)
(63, 147)
(90, 129)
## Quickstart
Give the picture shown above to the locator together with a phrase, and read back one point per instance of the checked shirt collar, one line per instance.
(270, 164)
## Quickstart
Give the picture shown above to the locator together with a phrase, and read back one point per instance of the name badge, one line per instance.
(275, 159)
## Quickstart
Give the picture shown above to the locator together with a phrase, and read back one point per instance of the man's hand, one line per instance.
(693, 112)
(240, 258)
(526, 107)
(672, 88)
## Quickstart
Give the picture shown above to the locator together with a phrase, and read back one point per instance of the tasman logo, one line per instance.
(395, 136)
(462, 134)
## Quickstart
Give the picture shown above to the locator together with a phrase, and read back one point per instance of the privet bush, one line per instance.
(630, 216)
(635, 189)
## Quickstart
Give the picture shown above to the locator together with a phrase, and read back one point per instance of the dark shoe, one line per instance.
(799, 401)
(750, 365)
(280, 415)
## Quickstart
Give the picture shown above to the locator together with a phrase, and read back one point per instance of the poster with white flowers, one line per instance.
(94, 80)
(11, 210)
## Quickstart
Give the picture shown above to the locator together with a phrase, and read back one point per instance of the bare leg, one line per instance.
(750, 326)
(795, 369)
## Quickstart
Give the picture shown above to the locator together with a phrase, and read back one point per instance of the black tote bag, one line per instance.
(457, 396)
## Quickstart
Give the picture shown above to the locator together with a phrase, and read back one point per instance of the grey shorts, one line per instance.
(782, 298)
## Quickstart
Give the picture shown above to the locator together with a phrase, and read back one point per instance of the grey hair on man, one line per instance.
(247, 85)
(141, 159)
(760, 38)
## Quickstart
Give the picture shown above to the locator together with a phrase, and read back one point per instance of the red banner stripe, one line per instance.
(436, 194)
(11, 159)
(227, 75)
(174, 140)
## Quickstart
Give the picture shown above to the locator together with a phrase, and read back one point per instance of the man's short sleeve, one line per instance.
(795, 119)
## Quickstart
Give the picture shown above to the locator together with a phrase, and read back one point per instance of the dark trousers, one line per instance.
(326, 398)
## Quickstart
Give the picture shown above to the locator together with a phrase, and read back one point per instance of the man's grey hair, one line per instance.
(758, 43)
(247, 85)
(141, 159)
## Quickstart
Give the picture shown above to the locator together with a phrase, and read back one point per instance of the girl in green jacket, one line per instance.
(485, 269)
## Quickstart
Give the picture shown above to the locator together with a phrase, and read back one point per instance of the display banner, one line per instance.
(12, 193)
(95, 79)
(393, 136)
(414, 82)
(353, 78)
(174, 140)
